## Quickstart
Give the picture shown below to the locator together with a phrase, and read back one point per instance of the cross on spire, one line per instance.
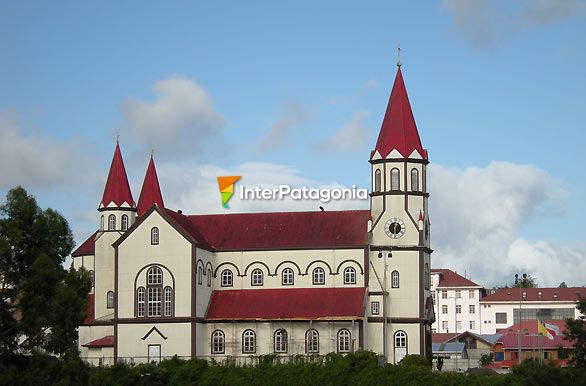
(399, 55)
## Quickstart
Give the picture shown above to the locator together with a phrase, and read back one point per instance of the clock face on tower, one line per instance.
(395, 228)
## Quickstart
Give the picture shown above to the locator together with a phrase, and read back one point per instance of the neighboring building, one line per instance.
(501, 308)
(288, 283)
(456, 302)
(533, 345)
(473, 345)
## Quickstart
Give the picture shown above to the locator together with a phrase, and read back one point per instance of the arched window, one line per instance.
(350, 276)
(124, 222)
(248, 342)
(91, 278)
(154, 291)
(427, 276)
(256, 277)
(280, 341)
(226, 278)
(110, 299)
(395, 279)
(102, 223)
(140, 300)
(377, 181)
(312, 341)
(199, 275)
(344, 338)
(168, 311)
(154, 236)
(395, 179)
(111, 222)
(287, 276)
(319, 276)
(414, 180)
(400, 341)
(209, 275)
(218, 340)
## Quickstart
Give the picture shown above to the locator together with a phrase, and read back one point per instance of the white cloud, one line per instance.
(485, 22)
(477, 217)
(182, 109)
(193, 188)
(291, 116)
(36, 161)
(353, 136)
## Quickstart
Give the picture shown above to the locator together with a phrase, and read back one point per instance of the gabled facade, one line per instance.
(284, 283)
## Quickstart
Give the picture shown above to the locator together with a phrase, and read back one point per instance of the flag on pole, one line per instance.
(541, 329)
(552, 329)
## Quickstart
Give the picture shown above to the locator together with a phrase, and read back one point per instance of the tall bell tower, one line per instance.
(400, 253)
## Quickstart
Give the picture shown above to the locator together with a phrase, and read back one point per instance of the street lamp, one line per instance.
(520, 283)
(385, 293)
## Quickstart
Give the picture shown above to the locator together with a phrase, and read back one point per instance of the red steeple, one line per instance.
(117, 189)
(398, 130)
(151, 191)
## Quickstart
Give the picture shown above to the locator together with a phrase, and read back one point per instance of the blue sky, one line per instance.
(295, 93)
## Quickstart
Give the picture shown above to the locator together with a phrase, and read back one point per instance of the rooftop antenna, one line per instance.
(399, 55)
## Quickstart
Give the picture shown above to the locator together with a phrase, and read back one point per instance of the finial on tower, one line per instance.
(117, 137)
(152, 152)
(399, 55)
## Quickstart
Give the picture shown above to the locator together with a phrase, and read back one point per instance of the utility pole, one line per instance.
(520, 283)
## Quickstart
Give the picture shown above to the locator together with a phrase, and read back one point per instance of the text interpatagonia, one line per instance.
(303, 193)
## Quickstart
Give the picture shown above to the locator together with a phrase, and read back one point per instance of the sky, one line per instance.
(294, 93)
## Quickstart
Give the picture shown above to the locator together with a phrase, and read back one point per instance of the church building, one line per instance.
(246, 284)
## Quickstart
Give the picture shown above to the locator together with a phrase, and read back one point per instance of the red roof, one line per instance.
(449, 278)
(117, 189)
(278, 230)
(570, 294)
(106, 341)
(88, 247)
(150, 194)
(510, 338)
(398, 130)
(294, 303)
(90, 315)
(441, 337)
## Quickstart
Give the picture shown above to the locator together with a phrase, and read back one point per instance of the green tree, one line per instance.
(524, 282)
(485, 359)
(563, 285)
(576, 332)
(41, 303)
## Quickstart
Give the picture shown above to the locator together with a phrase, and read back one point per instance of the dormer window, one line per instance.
(395, 179)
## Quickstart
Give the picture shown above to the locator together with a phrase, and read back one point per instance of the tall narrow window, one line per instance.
(287, 276)
(312, 341)
(102, 223)
(395, 279)
(226, 278)
(154, 291)
(377, 181)
(209, 275)
(248, 342)
(91, 277)
(110, 299)
(395, 179)
(350, 276)
(256, 277)
(427, 276)
(199, 275)
(140, 298)
(400, 340)
(414, 180)
(319, 276)
(111, 222)
(168, 301)
(124, 222)
(344, 339)
(280, 341)
(154, 236)
(218, 340)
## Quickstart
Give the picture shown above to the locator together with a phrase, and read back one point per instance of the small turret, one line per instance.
(150, 193)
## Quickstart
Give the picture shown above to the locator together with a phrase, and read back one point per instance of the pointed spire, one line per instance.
(399, 130)
(117, 189)
(420, 215)
(151, 191)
